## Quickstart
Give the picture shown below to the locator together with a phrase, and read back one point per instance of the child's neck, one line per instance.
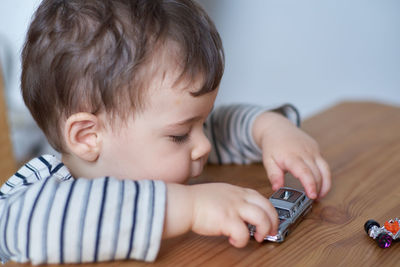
(80, 168)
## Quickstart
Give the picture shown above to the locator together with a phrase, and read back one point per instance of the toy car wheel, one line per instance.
(384, 240)
(368, 225)
(286, 234)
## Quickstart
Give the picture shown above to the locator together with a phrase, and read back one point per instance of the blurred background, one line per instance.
(310, 53)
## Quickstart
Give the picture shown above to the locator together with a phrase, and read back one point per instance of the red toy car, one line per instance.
(384, 235)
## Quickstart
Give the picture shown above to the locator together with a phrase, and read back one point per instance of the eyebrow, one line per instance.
(187, 121)
(183, 122)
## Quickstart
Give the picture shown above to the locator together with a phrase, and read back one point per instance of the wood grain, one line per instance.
(7, 162)
(361, 142)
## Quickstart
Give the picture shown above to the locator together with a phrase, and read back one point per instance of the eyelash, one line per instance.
(179, 138)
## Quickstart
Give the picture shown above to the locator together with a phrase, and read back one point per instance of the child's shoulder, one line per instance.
(36, 170)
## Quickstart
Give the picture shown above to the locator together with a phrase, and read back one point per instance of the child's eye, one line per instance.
(179, 138)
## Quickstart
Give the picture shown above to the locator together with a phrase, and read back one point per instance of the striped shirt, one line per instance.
(48, 216)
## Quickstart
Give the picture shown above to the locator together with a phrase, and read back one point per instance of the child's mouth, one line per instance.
(197, 167)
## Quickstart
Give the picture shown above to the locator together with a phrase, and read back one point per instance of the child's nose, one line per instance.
(201, 148)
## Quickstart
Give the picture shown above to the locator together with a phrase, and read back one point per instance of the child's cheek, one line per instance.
(177, 171)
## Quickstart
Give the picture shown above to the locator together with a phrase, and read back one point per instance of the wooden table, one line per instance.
(361, 142)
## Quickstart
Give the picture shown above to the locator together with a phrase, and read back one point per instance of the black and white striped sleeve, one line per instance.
(229, 129)
(82, 220)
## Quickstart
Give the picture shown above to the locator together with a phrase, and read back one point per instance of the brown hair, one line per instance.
(91, 55)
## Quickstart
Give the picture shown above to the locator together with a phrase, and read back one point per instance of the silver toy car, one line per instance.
(291, 205)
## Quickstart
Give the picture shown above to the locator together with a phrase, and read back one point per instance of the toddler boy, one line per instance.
(123, 89)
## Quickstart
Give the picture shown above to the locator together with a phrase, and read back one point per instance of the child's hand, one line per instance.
(219, 209)
(286, 148)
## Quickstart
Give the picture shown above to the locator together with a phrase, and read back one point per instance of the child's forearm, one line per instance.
(264, 123)
(229, 129)
(178, 212)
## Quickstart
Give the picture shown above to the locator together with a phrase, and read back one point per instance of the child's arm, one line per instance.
(218, 209)
(229, 131)
(48, 217)
(286, 148)
(235, 132)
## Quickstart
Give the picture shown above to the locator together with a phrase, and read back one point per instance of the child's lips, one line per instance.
(197, 171)
(197, 167)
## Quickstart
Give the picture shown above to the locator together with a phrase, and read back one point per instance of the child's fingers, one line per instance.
(238, 232)
(259, 218)
(275, 173)
(326, 176)
(317, 175)
(257, 199)
(301, 171)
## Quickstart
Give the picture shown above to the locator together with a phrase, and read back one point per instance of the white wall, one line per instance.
(311, 53)
(15, 16)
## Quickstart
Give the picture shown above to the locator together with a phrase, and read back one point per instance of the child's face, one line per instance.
(165, 141)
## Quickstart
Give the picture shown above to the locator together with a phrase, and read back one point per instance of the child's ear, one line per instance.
(82, 135)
